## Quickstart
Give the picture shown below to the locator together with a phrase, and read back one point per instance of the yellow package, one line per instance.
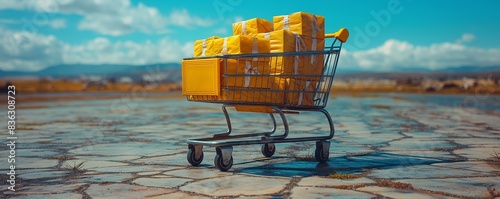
(205, 47)
(297, 92)
(246, 73)
(245, 95)
(300, 92)
(305, 66)
(241, 44)
(252, 27)
(301, 23)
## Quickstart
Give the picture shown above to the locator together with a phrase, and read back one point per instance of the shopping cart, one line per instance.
(301, 81)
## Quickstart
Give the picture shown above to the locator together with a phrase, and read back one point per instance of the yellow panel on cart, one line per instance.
(259, 109)
(201, 77)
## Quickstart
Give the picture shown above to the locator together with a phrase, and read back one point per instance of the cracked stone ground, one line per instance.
(387, 145)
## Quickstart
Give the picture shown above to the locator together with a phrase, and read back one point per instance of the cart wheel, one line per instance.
(268, 149)
(219, 163)
(320, 154)
(191, 157)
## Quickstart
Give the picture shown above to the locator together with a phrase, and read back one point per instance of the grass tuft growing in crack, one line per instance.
(76, 167)
(495, 157)
(343, 176)
(392, 184)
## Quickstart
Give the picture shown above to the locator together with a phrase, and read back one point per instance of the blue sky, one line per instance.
(385, 34)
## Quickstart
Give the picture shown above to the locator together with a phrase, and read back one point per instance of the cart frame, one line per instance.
(224, 142)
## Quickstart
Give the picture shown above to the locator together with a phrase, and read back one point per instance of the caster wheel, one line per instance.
(320, 155)
(192, 159)
(219, 163)
(268, 149)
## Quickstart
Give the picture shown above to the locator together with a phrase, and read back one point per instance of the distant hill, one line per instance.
(171, 72)
(344, 70)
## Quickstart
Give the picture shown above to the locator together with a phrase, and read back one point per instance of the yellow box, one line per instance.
(245, 95)
(300, 92)
(252, 27)
(205, 47)
(297, 92)
(246, 73)
(301, 23)
(287, 41)
(201, 77)
(241, 44)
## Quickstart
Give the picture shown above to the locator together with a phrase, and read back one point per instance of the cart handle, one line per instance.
(341, 35)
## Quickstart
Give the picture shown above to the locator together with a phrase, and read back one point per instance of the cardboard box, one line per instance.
(241, 44)
(307, 67)
(252, 27)
(246, 73)
(302, 23)
(300, 92)
(205, 47)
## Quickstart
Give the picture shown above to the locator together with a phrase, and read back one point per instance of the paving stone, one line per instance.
(179, 159)
(125, 169)
(197, 173)
(127, 149)
(53, 196)
(383, 159)
(474, 166)
(316, 192)
(43, 174)
(33, 163)
(161, 182)
(43, 153)
(475, 187)
(122, 158)
(331, 182)
(147, 173)
(479, 142)
(178, 195)
(124, 191)
(236, 185)
(50, 189)
(399, 193)
(423, 171)
(416, 144)
(117, 177)
(478, 153)
(92, 165)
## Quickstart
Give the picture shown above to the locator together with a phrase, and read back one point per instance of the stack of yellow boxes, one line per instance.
(298, 75)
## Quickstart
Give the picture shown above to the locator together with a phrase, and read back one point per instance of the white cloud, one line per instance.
(183, 18)
(395, 54)
(28, 51)
(31, 51)
(9, 4)
(466, 37)
(57, 23)
(222, 31)
(237, 19)
(115, 18)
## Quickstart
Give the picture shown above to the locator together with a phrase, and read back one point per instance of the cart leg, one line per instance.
(285, 124)
(224, 158)
(274, 123)
(195, 154)
(322, 152)
(228, 121)
(330, 123)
